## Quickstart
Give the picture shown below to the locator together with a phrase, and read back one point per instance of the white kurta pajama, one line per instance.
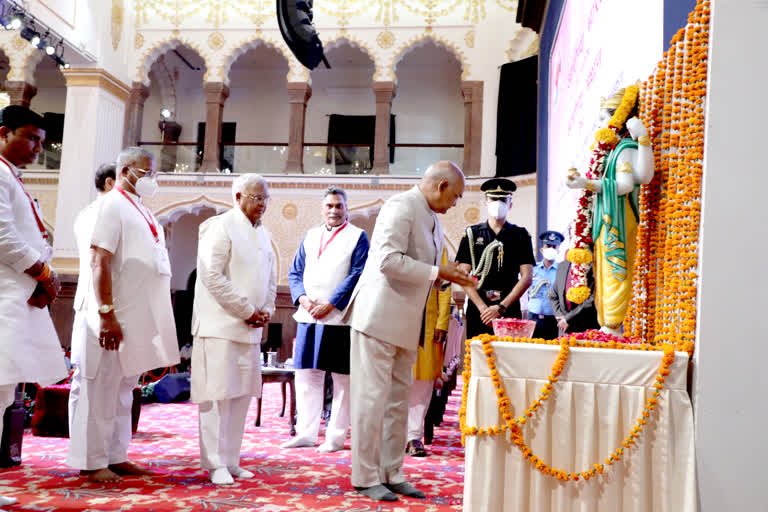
(102, 386)
(327, 267)
(29, 346)
(236, 276)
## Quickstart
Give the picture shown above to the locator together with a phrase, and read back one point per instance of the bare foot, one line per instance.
(129, 468)
(101, 476)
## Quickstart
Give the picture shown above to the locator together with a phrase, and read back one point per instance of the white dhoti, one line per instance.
(225, 375)
(310, 385)
(100, 415)
(380, 382)
(421, 395)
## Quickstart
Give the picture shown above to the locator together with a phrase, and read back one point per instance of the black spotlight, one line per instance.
(29, 33)
(295, 20)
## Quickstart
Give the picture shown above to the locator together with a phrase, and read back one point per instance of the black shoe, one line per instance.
(415, 448)
(406, 489)
(377, 492)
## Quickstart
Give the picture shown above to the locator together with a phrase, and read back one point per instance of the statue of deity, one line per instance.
(622, 161)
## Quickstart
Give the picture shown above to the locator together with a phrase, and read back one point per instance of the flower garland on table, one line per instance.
(514, 425)
(605, 140)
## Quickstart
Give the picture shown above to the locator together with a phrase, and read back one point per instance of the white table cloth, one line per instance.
(596, 401)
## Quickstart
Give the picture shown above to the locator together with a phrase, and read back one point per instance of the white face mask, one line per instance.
(145, 187)
(549, 254)
(498, 209)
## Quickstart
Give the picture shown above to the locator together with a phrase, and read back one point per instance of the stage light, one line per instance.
(15, 22)
(166, 113)
(49, 48)
(29, 33)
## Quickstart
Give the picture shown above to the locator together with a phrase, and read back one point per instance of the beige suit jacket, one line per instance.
(388, 302)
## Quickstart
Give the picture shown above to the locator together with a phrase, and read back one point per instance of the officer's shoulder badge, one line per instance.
(479, 240)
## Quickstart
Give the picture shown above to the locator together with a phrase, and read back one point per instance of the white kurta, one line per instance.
(29, 347)
(141, 289)
(236, 275)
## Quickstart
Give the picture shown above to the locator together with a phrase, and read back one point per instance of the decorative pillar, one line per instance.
(384, 92)
(94, 122)
(134, 114)
(298, 95)
(472, 90)
(20, 92)
(216, 93)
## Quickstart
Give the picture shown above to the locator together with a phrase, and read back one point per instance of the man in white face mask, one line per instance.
(544, 273)
(130, 327)
(500, 256)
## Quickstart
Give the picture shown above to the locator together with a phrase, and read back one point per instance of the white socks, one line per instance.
(328, 447)
(223, 476)
(239, 472)
(298, 442)
(7, 500)
(220, 476)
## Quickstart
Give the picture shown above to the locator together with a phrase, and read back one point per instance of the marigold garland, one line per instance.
(514, 425)
(580, 256)
(663, 306)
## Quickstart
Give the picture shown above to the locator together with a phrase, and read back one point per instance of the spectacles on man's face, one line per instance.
(148, 173)
(259, 199)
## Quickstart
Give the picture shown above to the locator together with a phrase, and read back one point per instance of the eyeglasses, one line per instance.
(258, 199)
(149, 173)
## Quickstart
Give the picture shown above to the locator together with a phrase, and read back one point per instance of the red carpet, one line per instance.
(286, 480)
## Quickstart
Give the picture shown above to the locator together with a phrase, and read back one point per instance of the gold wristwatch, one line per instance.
(105, 309)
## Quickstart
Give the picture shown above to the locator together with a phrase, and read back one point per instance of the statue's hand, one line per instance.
(636, 128)
(576, 180)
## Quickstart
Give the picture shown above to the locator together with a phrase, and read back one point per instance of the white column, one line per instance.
(730, 378)
(93, 132)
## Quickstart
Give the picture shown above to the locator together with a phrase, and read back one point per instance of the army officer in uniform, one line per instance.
(500, 256)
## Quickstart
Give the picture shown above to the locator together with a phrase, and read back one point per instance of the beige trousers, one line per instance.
(380, 384)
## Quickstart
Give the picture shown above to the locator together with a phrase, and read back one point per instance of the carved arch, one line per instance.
(248, 44)
(440, 41)
(160, 48)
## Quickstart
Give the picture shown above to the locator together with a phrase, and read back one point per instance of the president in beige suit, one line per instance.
(385, 314)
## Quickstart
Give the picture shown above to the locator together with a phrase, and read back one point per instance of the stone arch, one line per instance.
(174, 211)
(255, 42)
(354, 42)
(441, 42)
(524, 44)
(161, 47)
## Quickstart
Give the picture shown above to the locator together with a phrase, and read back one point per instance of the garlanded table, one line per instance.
(577, 425)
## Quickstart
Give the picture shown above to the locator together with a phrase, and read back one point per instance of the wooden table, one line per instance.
(283, 376)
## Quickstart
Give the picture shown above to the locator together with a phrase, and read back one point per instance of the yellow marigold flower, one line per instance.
(578, 294)
(579, 256)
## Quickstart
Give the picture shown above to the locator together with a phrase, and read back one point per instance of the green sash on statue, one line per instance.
(610, 210)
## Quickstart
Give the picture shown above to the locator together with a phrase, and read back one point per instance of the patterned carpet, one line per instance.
(286, 480)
